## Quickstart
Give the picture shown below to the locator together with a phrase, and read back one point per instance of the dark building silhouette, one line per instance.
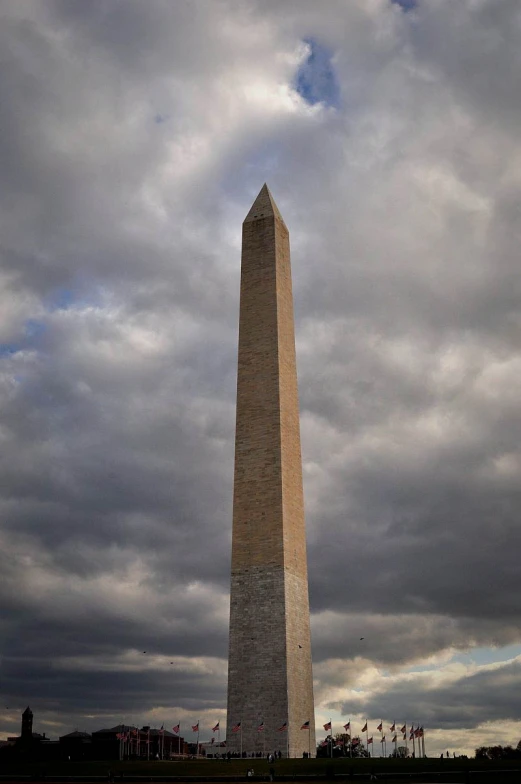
(27, 725)
(144, 743)
(76, 745)
(116, 743)
(29, 745)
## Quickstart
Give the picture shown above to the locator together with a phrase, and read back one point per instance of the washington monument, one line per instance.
(270, 683)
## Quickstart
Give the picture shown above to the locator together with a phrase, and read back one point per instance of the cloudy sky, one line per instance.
(134, 138)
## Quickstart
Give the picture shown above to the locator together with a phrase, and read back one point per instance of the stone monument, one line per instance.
(270, 683)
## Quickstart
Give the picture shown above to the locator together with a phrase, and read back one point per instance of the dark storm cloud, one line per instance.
(110, 691)
(392, 640)
(120, 275)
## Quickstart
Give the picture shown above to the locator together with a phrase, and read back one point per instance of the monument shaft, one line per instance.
(269, 672)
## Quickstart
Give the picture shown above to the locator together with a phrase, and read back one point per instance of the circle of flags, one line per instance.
(415, 733)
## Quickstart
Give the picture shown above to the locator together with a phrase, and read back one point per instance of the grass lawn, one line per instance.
(447, 770)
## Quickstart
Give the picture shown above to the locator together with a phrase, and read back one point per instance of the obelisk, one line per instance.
(270, 683)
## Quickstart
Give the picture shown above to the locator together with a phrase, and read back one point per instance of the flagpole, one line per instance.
(423, 741)
(367, 737)
(287, 736)
(331, 731)
(241, 738)
(198, 730)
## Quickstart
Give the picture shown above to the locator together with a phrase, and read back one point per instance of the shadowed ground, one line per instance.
(450, 771)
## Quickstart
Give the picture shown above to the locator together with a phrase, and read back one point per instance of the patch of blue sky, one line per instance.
(316, 80)
(8, 349)
(60, 299)
(83, 294)
(474, 656)
(407, 5)
(488, 655)
(33, 330)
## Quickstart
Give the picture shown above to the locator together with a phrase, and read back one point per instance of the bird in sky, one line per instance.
(362, 638)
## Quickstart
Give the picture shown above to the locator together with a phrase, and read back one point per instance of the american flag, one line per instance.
(214, 729)
(327, 726)
(403, 729)
(195, 727)
(237, 727)
(364, 728)
(283, 728)
(347, 726)
(305, 726)
(176, 729)
(260, 728)
(379, 728)
(393, 728)
(370, 740)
